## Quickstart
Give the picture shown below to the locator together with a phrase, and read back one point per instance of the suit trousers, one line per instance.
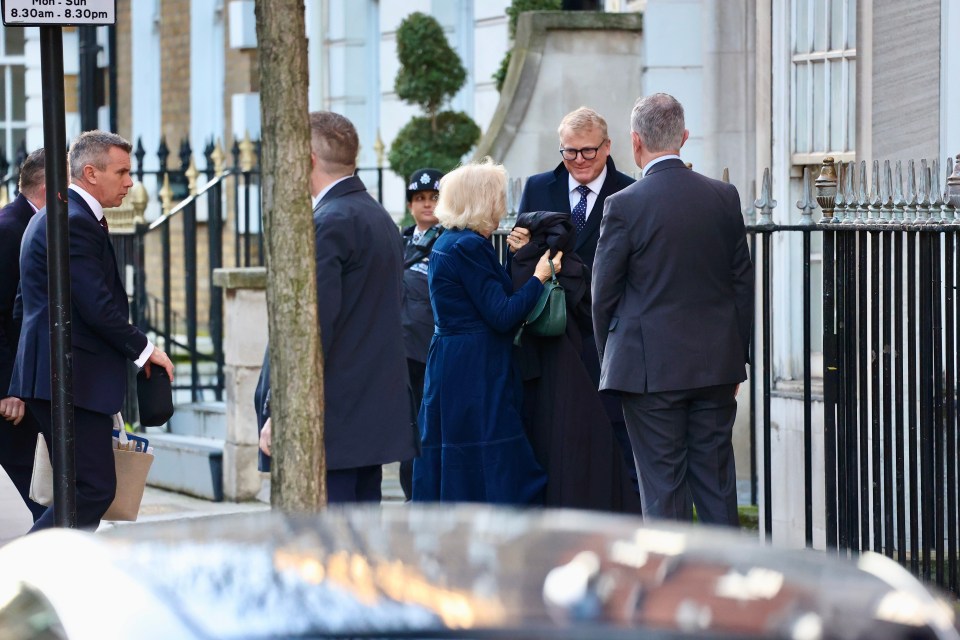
(682, 444)
(96, 470)
(361, 484)
(17, 445)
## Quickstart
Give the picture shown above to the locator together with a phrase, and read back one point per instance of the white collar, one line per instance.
(317, 198)
(594, 185)
(671, 156)
(95, 206)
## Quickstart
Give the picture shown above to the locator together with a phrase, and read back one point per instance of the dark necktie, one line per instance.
(580, 211)
(103, 223)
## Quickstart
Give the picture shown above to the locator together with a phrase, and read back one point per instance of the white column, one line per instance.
(206, 75)
(33, 90)
(949, 79)
(145, 87)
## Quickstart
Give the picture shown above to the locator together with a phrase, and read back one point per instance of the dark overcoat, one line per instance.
(368, 419)
(17, 442)
(563, 412)
(13, 222)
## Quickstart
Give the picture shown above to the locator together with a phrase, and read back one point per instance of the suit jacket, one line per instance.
(549, 192)
(13, 222)
(103, 338)
(369, 417)
(673, 287)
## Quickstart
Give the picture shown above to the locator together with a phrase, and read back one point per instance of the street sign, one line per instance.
(62, 13)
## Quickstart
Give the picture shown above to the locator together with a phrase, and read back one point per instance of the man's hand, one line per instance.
(12, 409)
(266, 437)
(159, 358)
(518, 238)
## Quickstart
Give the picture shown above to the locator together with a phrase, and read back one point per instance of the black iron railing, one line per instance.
(187, 318)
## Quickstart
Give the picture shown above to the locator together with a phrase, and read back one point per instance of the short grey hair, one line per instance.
(473, 197)
(658, 120)
(93, 148)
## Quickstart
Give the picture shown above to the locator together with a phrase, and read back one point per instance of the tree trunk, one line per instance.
(298, 478)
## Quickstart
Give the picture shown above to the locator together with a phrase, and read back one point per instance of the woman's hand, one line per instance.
(542, 272)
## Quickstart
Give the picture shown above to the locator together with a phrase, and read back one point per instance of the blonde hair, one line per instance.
(473, 197)
(582, 119)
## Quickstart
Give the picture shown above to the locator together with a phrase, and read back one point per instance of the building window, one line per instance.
(13, 98)
(823, 75)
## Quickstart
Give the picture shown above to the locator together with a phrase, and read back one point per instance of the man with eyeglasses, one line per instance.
(579, 185)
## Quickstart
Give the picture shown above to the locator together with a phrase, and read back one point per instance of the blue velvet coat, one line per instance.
(473, 444)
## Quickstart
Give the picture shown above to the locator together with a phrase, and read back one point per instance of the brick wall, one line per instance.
(175, 71)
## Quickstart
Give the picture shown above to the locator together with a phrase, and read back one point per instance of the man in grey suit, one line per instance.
(368, 414)
(673, 304)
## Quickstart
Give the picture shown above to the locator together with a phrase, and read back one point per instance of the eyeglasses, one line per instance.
(587, 153)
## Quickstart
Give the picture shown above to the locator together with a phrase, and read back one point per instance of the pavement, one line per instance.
(159, 505)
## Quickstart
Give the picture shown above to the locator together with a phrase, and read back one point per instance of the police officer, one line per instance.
(423, 190)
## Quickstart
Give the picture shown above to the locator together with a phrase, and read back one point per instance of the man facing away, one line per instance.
(18, 435)
(367, 420)
(673, 300)
(103, 338)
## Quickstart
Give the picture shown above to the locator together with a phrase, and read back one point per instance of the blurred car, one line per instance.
(448, 572)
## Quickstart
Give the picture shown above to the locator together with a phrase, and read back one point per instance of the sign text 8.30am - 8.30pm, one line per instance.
(59, 12)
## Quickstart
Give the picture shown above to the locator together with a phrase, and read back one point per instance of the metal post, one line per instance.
(58, 275)
(88, 77)
(190, 283)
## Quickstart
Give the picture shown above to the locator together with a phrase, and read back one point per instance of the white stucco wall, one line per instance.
(673, 53)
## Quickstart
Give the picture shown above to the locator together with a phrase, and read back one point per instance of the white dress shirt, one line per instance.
(594, 187)
(671, 156)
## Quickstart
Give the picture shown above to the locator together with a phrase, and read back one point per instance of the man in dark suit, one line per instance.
(103, 338)
(368, 420)
(673, 311)
(18, 438)
(579, 185)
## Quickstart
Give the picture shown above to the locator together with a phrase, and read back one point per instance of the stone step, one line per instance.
(200, 419)
(187, 464)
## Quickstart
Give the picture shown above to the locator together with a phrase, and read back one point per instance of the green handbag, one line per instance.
(549, 316)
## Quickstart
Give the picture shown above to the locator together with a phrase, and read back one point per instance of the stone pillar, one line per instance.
(244, 341)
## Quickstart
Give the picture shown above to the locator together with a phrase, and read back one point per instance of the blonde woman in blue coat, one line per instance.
(473, 444)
